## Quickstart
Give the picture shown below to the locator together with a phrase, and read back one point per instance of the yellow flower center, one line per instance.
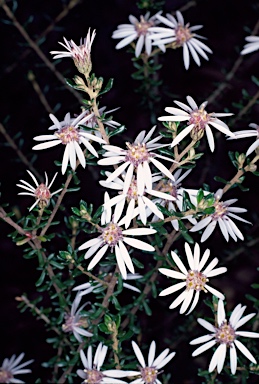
(67, 134)
(196, 280)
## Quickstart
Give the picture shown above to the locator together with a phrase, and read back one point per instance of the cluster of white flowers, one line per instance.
(147, 33)
(144, 185)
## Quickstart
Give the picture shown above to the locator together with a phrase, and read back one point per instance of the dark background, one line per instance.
(226, 23)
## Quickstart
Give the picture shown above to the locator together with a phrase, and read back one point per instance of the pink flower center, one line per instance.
(68, 134)
(220, 210)
(182, 34)
(225, 334)
(149, 374)
(142, 26)
(170, 188)
(199, 118)
(71, 322)
(112, 234)
(196, 280)
(93, 376)
(137, 154)
(42, 192)
(5, 376)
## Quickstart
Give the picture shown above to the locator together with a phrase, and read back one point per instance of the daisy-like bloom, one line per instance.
(138, 29)
(136, 157)
(71, 135)
(41, 192)
(181, 35)
(249, 133)
(222, 216)
(113, 236)
(195, 279)
(92, 373)
(11, 367)
(75, 322)
(89, 287)
(251, 46)
(198, 121)
(133, 196)
(226, 335)
(148, 373)
(81, 54)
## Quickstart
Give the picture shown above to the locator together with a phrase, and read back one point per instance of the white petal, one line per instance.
(172, 289)
(151, 353)
(173, 274)
(204, 347)
(138, 244)
(206, 325)
(97, 257)
(120, 262)
(245, 351)
(138, 354)
(179, 263)
(233, 359)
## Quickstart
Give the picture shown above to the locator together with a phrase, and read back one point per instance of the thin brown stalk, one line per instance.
(19, 153)
(49, 28)
(36, 48)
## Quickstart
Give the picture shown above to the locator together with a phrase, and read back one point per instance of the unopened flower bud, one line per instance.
(241, 159)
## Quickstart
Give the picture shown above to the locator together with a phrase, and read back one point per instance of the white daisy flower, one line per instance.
(251, 46)
(89, 287)
(92, 373)
(114, 237)
(81, 54)
(136, 157)
(181, 35)
(195, 280)
(198, 121)
(138, 29)
(249, 133)
(11, 367)
(71, 135)
(41, 193)
(222, 215)
(148, 373)
(75, 322)
(134, 197)
(225, 334)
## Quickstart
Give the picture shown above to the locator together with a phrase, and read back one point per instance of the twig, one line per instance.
(49, 28)
(218, 91)
(39, 92)
(19, 152)
(36, 48)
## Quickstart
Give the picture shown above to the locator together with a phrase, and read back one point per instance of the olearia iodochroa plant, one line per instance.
(104, 271)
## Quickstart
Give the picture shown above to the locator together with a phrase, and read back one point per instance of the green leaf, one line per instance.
(41, 279)
(147, 308)
(107, 87)
(117, 131)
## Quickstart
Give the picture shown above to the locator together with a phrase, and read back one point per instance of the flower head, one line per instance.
(137, 199)
(180, 34)
(148, 373)
(69, 133)
(174, 189)
(136, 30)
(41, 193)
(113, 236)
(136, 158)
(249, 133)
(195, 278)
(222, 216)
(92, 373)
(251, 46)
(225, 335)
(198, 121)
(75, 322)
(11, 367)
(81, 54)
